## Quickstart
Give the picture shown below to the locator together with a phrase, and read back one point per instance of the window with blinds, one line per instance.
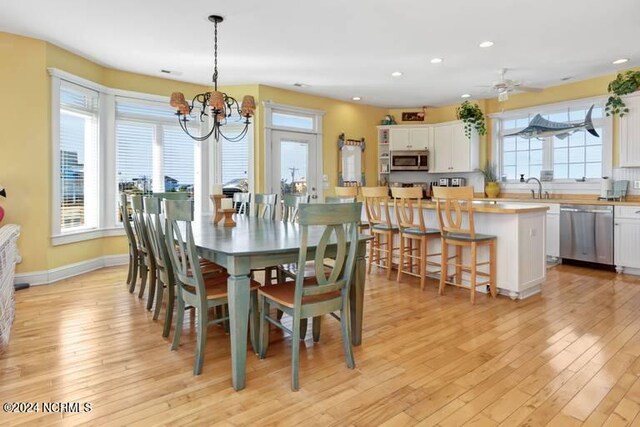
(234, 159)
(78, 158)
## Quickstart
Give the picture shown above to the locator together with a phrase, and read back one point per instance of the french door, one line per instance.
(293, 166)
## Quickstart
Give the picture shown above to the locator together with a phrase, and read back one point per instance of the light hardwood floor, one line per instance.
(568, 357)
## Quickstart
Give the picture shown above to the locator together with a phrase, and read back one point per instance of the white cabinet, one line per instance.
(452, 150)
(402, 138)
(553, 231)
(630, 133)
(627, 238)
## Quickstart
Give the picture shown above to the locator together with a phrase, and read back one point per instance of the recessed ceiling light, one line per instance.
(396, 73)
(486, 44)
(301, 84)
(436, 60)
(356, 98)
(620, 61)
(465, 95)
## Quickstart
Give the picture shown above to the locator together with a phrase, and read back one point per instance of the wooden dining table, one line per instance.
(256, 243)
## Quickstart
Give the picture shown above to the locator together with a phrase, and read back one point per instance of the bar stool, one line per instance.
(346, 191)
(376, 201)
(349, 193)
(451, 215)
(406, 201)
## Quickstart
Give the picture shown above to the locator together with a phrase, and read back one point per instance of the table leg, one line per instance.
(238, 290)
(356, 297)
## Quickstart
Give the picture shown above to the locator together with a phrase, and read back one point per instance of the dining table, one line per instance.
(256, 243)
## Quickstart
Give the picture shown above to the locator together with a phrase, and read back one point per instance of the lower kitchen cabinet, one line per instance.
(627, 238)
(553, 233)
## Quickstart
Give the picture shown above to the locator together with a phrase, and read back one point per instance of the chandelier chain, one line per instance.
(215, 55)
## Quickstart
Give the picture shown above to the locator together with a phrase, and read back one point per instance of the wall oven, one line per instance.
(409, 160)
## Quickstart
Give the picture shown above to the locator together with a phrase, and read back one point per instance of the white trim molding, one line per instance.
(66, 271)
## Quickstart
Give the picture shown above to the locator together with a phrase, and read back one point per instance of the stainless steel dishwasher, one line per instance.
(586, 233)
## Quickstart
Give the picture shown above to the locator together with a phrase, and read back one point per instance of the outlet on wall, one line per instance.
(636, 185)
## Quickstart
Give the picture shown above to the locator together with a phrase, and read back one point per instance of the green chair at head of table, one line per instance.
(147, 258)
(193, 288)
(326, 292)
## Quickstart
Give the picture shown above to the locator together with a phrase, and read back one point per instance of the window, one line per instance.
(78, 151)
(153, 154)
(234, 159)
(571, 157)
(296, 121)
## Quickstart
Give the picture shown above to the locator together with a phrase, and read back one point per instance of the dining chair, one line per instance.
(454, 206)
(376, 201)
(241, 203)
(134, 256)
(265, 206)
(193, 289)
(173, 195)
(324, 294)
(290, 203)
(346, 191)
(410, 218)
(147, 260)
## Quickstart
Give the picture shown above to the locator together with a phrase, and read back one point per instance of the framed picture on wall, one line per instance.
(413, 116)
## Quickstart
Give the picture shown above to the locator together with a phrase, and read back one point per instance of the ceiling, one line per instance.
(345, 48)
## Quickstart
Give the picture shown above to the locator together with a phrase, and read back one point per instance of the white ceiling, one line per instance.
(345, 48)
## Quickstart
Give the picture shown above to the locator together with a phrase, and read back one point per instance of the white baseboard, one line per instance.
(55, 274)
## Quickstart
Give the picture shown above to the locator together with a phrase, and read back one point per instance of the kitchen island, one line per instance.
(521, 232)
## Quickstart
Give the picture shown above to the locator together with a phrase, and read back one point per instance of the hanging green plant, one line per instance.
(624, 84)
(472, 117)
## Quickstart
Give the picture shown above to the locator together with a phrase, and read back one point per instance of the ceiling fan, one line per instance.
(506, 86)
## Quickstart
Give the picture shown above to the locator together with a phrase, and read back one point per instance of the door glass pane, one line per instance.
(294, 160)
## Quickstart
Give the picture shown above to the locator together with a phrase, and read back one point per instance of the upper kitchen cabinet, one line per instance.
(452, 150)
(405, 138)
(630, 133)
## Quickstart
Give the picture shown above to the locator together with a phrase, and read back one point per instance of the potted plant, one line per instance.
(491, 184)
(472, 117)
(624, 84)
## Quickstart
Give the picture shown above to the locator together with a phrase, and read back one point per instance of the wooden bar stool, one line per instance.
(349, 193)
(451, 213)
(376, 201)
(407, 201)
(346, 191)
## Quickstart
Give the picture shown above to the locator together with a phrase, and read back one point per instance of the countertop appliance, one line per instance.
(457, 182)
(444, 182)
(586, 233)
(409, 160)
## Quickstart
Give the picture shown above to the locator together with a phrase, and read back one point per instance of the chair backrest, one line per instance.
(182, 251)
(172, 195)
(342, 199)
(405, 200)
(126, 222)
(241, 202)
(376, 202)
(451, 212)
(346, 191)
(265, 205)
(153, 210)
(290, 204)
(341, 229)
(139, 225)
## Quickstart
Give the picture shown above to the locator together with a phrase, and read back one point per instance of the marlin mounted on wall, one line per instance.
(540, 128)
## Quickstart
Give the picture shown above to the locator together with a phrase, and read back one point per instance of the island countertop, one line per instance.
(493, 206)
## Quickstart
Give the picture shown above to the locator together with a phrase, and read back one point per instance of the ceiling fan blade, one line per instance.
(528, 89)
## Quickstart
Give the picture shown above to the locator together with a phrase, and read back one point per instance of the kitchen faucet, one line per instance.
(536, 180)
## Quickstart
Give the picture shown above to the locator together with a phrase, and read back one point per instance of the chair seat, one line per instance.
(385, 227)
(283, 293)
(468, 238)
(418, 232)
(217, 286)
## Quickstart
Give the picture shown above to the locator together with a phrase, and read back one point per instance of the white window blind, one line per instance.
(178, 159)
(234, 159)
(78, 158)
(134, 158)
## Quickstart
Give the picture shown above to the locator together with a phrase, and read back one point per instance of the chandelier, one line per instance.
(215, 104)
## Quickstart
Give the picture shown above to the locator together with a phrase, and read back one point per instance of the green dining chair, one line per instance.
(290, 203)
(264, 206)
(241, 203)
(147, 260)
(193, 289)
(134, 256)
(324, 294)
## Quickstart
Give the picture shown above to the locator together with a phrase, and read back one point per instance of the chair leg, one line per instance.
(179, 321)
(444, 265)
(201, 335)
(264, 328)
(317, 322)
(423, 263)
(134, 274)
(389, 254)
(474, 267)
(130, 266)
(153, 284)
(410, 255)
(295, 352)
(401, 259)
(143, 278)
(225, 313)
(371, 250)
(254, 319)
(493, 285)
(168, 317)
(159, 297)
(303, 328)
(458, 264)
(345, 324)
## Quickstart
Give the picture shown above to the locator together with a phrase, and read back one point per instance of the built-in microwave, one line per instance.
(410, 160)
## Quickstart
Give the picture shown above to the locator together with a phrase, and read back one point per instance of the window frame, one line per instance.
(547, 146)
